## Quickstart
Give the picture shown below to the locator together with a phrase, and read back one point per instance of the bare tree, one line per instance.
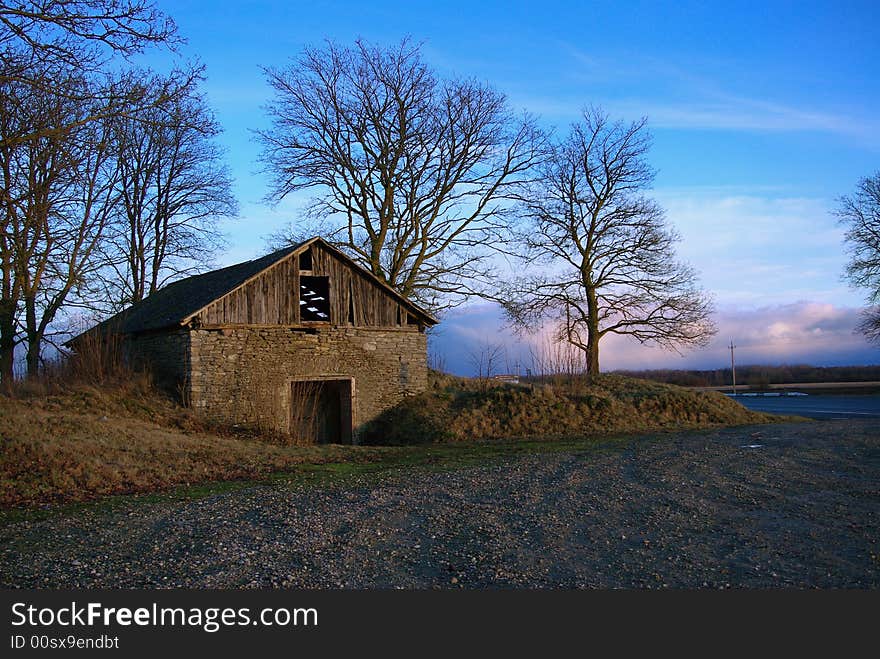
(174, 188)
(58, 194)
(611, 265)
(414, 173)
(58, 187)
(56, 28)
(860, 213)
(40, 36)
(485, 359)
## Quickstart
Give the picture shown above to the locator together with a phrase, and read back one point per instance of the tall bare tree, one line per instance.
(13, 120)
(609, 253)
(860, 213)
(58, 194)
(174, 188)
(414, 174)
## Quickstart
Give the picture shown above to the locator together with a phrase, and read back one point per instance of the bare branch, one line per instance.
(860, 214)
(41, 40)
(173, 190)
(414, 175)
(609, 256)
(57, 29)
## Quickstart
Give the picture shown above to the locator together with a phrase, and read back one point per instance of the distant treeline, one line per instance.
(760, 375)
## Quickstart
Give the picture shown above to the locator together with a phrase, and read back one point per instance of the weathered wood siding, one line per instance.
(272, 298)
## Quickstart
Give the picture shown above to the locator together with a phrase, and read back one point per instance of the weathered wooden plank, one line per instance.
(273, 297)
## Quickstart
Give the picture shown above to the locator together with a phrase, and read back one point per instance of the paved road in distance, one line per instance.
(816, 407)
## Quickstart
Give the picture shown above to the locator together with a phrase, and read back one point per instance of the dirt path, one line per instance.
(687, 510)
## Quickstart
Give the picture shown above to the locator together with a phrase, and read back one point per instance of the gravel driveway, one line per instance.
(694, 509)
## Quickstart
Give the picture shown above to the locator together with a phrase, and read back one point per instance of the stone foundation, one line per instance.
(245, 375)
(165, 355)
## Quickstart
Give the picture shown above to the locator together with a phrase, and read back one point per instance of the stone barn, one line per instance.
(302, 340)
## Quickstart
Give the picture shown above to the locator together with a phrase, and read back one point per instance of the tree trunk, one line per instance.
(7, 342)
(34, 338)
(592, 355)
(33, 357)
(592, 335)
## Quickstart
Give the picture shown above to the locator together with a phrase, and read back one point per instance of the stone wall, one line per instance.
(244, 375)
(165, 355)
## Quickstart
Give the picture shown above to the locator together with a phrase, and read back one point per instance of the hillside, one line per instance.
(93, 442)
(457, 410)
(90, 441)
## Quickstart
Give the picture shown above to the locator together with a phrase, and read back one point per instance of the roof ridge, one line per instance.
(174, 304)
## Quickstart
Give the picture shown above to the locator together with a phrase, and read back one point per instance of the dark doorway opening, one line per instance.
(321, 411)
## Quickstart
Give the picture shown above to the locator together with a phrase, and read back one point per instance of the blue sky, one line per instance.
(762, 114)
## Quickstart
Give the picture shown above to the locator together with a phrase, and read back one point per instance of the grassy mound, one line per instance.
(90, 442)
(76, 443)
(459, 410)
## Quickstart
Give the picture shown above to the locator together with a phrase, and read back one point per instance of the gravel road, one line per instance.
(695, 509)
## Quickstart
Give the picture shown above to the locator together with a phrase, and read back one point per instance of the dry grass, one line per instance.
(89, 442)
(76, 442)
(98, 362)
(457, 410)
(91, 425)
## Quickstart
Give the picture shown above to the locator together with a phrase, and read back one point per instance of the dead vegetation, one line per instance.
(460, 410)
(89, 443)
(92, 426)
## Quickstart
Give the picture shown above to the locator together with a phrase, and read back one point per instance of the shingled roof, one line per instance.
(176, 303)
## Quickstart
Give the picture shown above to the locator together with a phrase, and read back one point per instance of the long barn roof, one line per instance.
(175, 304)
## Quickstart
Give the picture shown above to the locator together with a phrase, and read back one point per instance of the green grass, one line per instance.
(431, 458)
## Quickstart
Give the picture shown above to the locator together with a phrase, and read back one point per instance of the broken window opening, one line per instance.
(305, 260)
(314, 299)
(350, 304)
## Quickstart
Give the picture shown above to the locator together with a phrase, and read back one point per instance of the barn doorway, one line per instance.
(321, 411)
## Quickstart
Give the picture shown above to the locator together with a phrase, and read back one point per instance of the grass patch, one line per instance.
(90, 442)
(430, 458)
(458, 410)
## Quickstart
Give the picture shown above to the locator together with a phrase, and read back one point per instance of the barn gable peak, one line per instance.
(188, 300)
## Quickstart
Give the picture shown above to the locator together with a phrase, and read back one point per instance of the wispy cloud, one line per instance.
(694, 97)
(756, 250)
(744, 114)
(799, 332)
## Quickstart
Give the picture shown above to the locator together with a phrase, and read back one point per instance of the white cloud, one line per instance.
(817, 333)
(753, 251)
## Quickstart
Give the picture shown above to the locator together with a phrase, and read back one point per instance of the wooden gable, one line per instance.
(272, 297)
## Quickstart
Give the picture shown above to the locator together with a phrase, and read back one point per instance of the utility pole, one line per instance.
(733, 366)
